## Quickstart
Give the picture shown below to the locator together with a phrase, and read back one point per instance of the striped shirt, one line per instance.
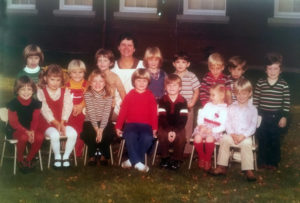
(98, 108)
(272, 97)
(190, 83)
(208, 81)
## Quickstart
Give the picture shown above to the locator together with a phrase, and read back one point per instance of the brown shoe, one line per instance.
(250, 176)
(220, 170)
(207, 165)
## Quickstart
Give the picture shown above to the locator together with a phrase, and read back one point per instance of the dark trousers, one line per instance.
(269, 139)
(88, 135)
(178, 144)
(138, 138)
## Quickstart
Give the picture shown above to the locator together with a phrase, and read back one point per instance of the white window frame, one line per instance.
(10, 5)
(128, 9)
(206, 12)
(62, 6)
(278, 14)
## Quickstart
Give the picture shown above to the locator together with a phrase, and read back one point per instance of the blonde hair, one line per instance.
(140, 74)
(33, 50)
(76, 64)
(152, 52)
(52, 70)
(216, 58)
(107, 87)
(220, 89)
(173, 78)
(243, 84)
(235, 61)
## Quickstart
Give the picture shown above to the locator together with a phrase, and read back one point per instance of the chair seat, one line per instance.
(12, 141)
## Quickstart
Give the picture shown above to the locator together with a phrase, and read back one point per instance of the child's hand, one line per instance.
(190, 105)
(240, 138)
(99, 135)
(155, 133)
(77, 109)
(234, 137)
(30, 136)
(119, 132)
(56, 124)
(171, 136)
(62, 128)
(282, 122)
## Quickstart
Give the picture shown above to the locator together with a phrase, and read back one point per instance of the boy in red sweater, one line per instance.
(138, 114)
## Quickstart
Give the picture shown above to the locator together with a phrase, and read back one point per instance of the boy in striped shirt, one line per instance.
(272, 98)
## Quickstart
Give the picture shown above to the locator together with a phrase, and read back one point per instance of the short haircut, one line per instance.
(173, 78)
(273, 58)
(243, 84)
(52, 70)
(33, 50)
(152, 52)
(23, 81)
(236, 61)
(107, 54)
(181, 55)
(76, 64)
(107, 88)
(140, 73)
(216, 58)
(127, 36)
(220, 88)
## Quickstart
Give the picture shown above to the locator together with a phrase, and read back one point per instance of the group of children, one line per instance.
(157, 105)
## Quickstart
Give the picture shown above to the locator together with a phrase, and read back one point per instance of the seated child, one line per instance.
(153, 61)
(23, 118)
(138, 114)
(77, 86)
(33, 56)
(240, 126)
(172, 118)
(105, 60)
(57, 106)
(272, 99)
(189, 90)
(97, 129)
(215, 76)
(211, 124)
(237, 67)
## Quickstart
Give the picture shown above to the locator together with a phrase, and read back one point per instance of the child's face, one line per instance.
(273, 71)
(140, 84)
(25, 92)
(77, 75)
(236, 72)
(103, 63)
(126, 48)
(243, 96)
(32, 61)
(173, 88)
(215, 69)
(181, 65)
(216, 97)
(153, 63)
(53, 82)
(98, 83)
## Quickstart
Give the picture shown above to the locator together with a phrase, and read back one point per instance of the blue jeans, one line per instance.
(138, 138)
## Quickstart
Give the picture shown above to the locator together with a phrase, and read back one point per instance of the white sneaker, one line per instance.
(141, 167)
(126, 164)
(66, 163)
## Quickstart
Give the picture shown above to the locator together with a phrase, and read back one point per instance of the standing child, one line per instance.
(23, 117)
(237, 67)
(215, 76)
(77, 86)
(240, 127)
(33, 56)
(138, 113)
(172, 118)
(97, 129)
(189, 90)
(153, 61)
(56, 109)
(105, 60)
(211, 124)
(272, 98)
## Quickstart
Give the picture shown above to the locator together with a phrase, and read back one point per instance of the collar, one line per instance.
(211, 75)
(23, 101)
(32, 70)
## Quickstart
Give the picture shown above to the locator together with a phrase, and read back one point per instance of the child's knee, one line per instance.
(210, 139)
(197, 139)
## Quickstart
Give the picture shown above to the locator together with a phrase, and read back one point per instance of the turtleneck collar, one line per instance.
(23, 101)
(32, 70)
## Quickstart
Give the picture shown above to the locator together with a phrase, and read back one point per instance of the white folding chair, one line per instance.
(4, 118)
(85, 151)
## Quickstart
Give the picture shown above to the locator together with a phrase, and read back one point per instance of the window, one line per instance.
(138, 6)
(21, 4)
(287, 8)
(86, 5)
(204, 7)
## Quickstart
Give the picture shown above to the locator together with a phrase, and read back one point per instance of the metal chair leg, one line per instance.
(215, 157)
(49, 156)
(75, 158)
(15, 159)
(85, 154)
(41, 162)
(3, 151)
(146, 159)
(191, 157)
(155, 151)
(111, 155)
(121, 149)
